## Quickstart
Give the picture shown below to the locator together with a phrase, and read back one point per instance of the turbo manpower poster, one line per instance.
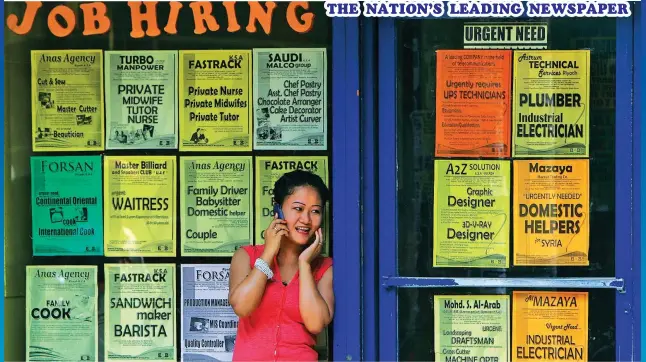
(209, 325)
(61, 313)
(66, 205)
(551, 103)
(141, 98)
(268, 171)
(471, 217)
(216, 204)
(552, 212)
(140, 312)
(473, 98)
(473, 327)
(140, 194)
(67, 100)
(215, 100)
(550, 326)
(290, 99)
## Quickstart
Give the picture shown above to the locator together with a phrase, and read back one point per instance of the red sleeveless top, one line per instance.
(275, 330)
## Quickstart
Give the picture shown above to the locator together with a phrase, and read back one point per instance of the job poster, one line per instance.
(290, 99)
(140, 312)
(209, 325)
(551, 212)
(551, 103)
(67, 100)
(216, 204)
(473, 328)
(550, 326)
(61, 313)
(473, 99)
(67, 205)
(141, 99)
(140, 194)
(215, 100)
(472, 213)
(268, 171)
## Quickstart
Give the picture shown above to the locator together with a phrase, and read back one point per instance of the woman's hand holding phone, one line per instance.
(311, 252)
(273, 235)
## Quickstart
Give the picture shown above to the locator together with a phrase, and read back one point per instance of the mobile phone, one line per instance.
(278, 211)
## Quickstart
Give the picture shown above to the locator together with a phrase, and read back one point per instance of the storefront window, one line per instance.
(419, 46)
(281, 30)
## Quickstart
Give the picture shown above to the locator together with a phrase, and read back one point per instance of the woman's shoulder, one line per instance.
(253, 251)
(323, 263)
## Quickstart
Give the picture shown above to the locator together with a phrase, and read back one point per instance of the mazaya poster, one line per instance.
(290, 99)
(67, 100)
(61, 313)
(141, 99)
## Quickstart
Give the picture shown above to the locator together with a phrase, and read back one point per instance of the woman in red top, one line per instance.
(282, 290)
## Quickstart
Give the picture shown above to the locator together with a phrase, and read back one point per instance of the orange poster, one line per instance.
(472, 103)
(551, 212)
(550, 326)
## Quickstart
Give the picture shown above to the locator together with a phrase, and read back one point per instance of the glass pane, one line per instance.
(418, 41)
(416, 322)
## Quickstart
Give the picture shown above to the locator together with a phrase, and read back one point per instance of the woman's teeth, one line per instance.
(302, 230)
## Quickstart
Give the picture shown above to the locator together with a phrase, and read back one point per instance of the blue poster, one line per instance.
(66, 205)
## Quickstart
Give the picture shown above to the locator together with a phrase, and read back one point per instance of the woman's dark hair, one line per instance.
(290, 181)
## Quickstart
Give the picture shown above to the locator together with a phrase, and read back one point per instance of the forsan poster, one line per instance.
(140, 312)
(61, 313)
(140, 206)
(67, 100)
(290, 99)
(209, 325)
(66, 205)
(472, 213)
(215, 100)
(216, 203)
(141, 99)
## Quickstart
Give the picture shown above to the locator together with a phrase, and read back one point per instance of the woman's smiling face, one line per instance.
(303, 211)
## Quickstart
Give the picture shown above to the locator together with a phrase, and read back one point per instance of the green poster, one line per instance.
(471, 328)
(66, 205)
(140, 312)
(61, 311)
(471, 216)
(216, 204)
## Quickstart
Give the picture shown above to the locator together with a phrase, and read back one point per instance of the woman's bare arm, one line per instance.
(316, 300)
(246, 284)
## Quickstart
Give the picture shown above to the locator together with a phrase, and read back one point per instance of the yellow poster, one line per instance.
(140, 194)
(550, 326)
(215, 97)
(268, 171)
(551, 212)
(551, 103)
(471, 217)
(67, 100)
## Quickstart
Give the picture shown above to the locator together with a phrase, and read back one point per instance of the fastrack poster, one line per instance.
(141, 98)
(551, 103)
(471, 327)
(290, 99)
(473, 98)
(67, 100)
(209, 325)
(471, 217)
(215, 100)
(550, 326)
(66, 205)
(268, 171)
(140, 312)
(216, 204)
(551, 212)
(140, 194)
(61, 311)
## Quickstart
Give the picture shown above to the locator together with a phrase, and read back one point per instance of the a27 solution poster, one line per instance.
(66, 205)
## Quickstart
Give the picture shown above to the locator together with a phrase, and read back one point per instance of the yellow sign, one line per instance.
(551, 212)
(471, 218)
(551, 103)
(550, 326)
(140, 194)
(215, 100)
(67, 100)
